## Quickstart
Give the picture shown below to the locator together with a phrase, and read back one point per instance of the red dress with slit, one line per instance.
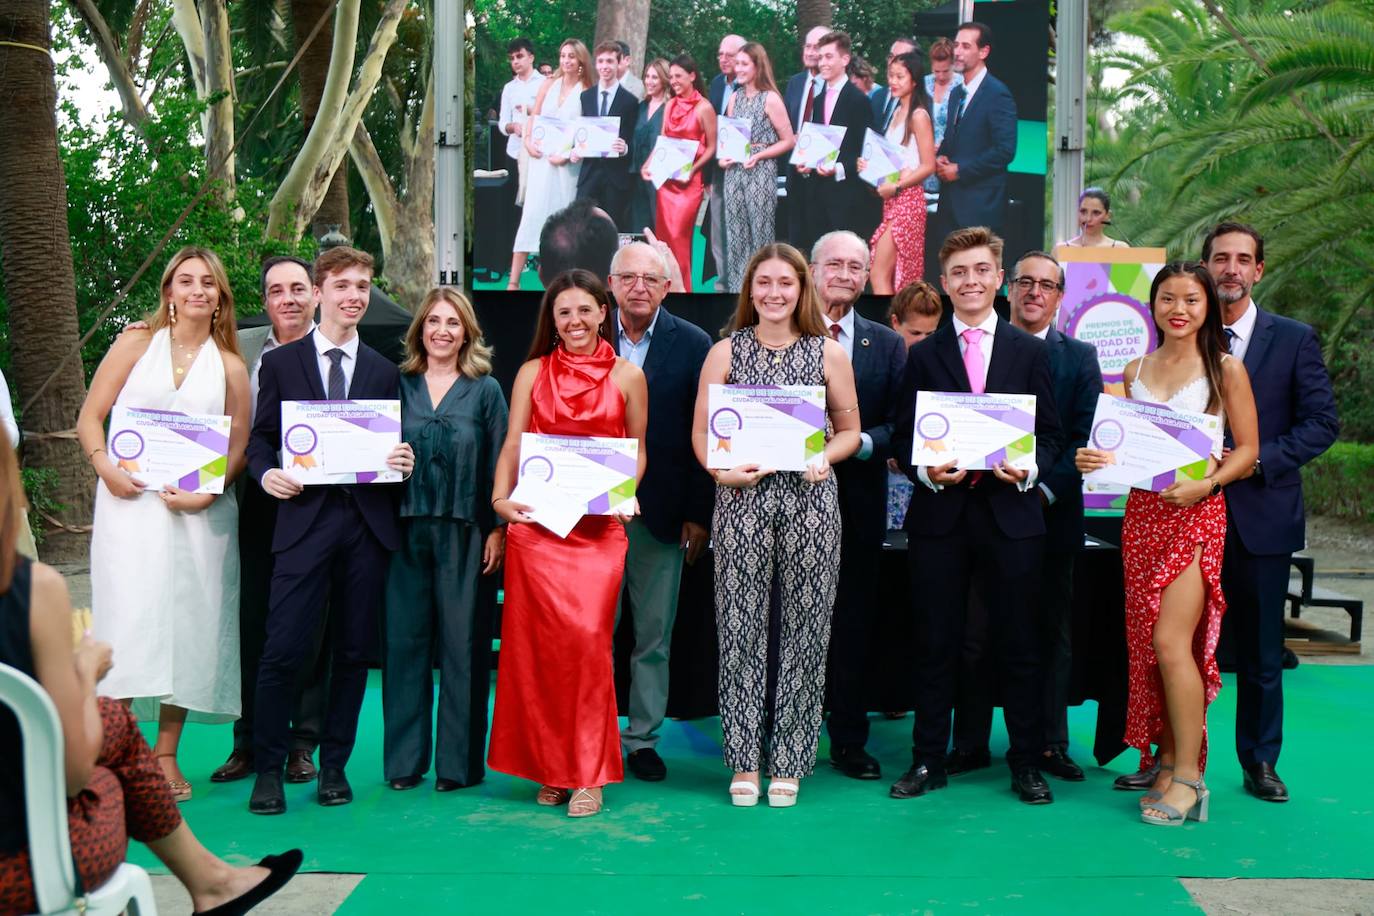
(678, 203)
(554, 720)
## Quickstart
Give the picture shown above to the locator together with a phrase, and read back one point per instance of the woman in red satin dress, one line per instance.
(687, 116)
(1172, 543)
(555, 715)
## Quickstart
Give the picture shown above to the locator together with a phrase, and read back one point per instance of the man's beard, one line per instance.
(1228, 297)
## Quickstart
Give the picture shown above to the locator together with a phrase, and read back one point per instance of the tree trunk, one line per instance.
(313, 69)
(40, 284)
(107, 46)
(627, 21)
(811, 13)
(219, 86)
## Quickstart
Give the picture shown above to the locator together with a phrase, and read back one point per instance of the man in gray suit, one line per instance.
(289, 300)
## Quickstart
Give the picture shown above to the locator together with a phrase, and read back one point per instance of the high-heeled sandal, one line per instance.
(747, 798)
(1155, 795)
(180, 788)
(1171, 816)
(782, 793)
(584, 803)
(551, 796)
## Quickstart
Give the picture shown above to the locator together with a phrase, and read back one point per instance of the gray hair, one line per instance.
(832, 236)
(658, 255)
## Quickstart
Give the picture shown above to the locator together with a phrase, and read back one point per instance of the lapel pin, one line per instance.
(864, 342)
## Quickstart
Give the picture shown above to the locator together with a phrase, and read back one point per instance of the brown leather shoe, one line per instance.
(299, 767)
(238, 766)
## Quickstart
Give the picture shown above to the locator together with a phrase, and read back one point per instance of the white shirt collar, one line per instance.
(971, 86)
(989, 325)
(272, 342)
(838, 84)
(323, 345)
(648, 332)
(846, 324)
(610, 89)
(1043, 333)
(1245, 324)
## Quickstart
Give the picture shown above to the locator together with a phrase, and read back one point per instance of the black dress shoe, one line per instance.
(1061, 766)
(855, 762)
(1138, 781)
(334, 788)
(645, 764)
(280, 869)
(405, 782)
(917, 781)
(268, 797)
(238, 766)
(967, 761)
(1262, 782)
(299, 767)
(450, 785)
(1031, 786)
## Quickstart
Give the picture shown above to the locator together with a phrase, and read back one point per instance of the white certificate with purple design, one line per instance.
(334, 442)
(818, 145)
(598, 473)
(775, 426)
(976, 431)
(551, 136)
(161, 448)
(671, 158)
(594, 137)
(732, 138)
(1151, 447)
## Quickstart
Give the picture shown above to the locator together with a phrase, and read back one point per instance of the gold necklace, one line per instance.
(188, 353)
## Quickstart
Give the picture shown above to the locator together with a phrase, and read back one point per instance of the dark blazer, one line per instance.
(715, 94)
(607, 181)
(1020, 365)
(1077, 383)
(827, 203)
(982, 141)
(879, 357)
(292, 373)
(675, 487)
(1297, 422)
(878, 102)
(792, 98)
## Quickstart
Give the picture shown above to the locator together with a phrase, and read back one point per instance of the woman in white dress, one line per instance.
(551, 183)
(165, 565)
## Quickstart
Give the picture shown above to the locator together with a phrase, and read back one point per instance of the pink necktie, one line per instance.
(831, 94)
(974, 363)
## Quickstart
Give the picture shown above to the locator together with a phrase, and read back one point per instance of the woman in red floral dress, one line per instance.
(1172, 543)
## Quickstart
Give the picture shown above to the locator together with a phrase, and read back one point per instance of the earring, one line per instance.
(215, 316)
(172, 311)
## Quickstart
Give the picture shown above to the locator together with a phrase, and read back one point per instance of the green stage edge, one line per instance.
(679, 846)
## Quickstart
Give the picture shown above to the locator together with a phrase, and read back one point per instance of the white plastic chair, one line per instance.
(45, 802)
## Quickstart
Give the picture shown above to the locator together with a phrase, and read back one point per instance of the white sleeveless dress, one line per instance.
(165, 585)
(548, 188)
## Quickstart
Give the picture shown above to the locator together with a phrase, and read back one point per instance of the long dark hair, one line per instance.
(684, 61)
(912, 63)
(545, 335)
(1211, 337)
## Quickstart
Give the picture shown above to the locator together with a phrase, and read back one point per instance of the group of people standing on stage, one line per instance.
(955, 122)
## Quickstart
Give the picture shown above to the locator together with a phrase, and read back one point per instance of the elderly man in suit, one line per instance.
(675, 496)
(1264, 512)
(607, 180)
(289, 301)
(985, 523)
(839, 264)
(331, 544)
(980, 140)
(1037, 286)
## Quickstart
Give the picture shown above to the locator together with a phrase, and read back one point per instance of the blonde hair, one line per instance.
(806, 317)
(474, 356)
(224, 323)
(584, 60)
(660, 66)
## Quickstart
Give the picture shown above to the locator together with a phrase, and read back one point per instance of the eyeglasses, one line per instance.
(853, 267)
(650, 281)
(1026, 284)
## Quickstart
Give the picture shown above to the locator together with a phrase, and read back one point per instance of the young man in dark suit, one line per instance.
(607, 180)
(839, 264)
(1036, 288)
(799, 96)
(676, 496)
(980, 140)
(331, 544)
(1265, 522)
(964, 524)
(833, 197)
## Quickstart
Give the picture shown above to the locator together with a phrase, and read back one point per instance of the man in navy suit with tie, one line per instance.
(676, 496)
(800, 97)
(987, 524)
(980, 140)
(331, 544)
(1265, 523)
(839, 264)
(607, 180)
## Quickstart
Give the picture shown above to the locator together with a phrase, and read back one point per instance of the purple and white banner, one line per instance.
(340, 442)
(976, 431)
(162, 448)
(774, 426)
(1151, 446)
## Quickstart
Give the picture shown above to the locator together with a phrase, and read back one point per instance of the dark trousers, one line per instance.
(257, 517)
(440, 607)
(1255, 587)
(851, 634)
(942, 573)
(339, 564)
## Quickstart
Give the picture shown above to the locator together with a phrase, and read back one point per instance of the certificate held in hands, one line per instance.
(885, 159)
(594, 137)
(1150, 446)
(775, 426)
(732, 138)
(340, 442)
(161, 448)
(563, 478)
(553, 136)
(975, 431)
(671, 158)
(818, 145)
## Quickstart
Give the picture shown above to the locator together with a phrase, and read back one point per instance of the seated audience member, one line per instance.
(116, 789)
(581, 235)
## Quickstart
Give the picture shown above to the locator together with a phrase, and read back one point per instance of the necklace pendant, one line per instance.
(180, 371)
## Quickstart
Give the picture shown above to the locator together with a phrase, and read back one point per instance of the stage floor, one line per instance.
(678, 846)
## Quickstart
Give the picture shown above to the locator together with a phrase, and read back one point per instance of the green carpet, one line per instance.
(845, 847)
